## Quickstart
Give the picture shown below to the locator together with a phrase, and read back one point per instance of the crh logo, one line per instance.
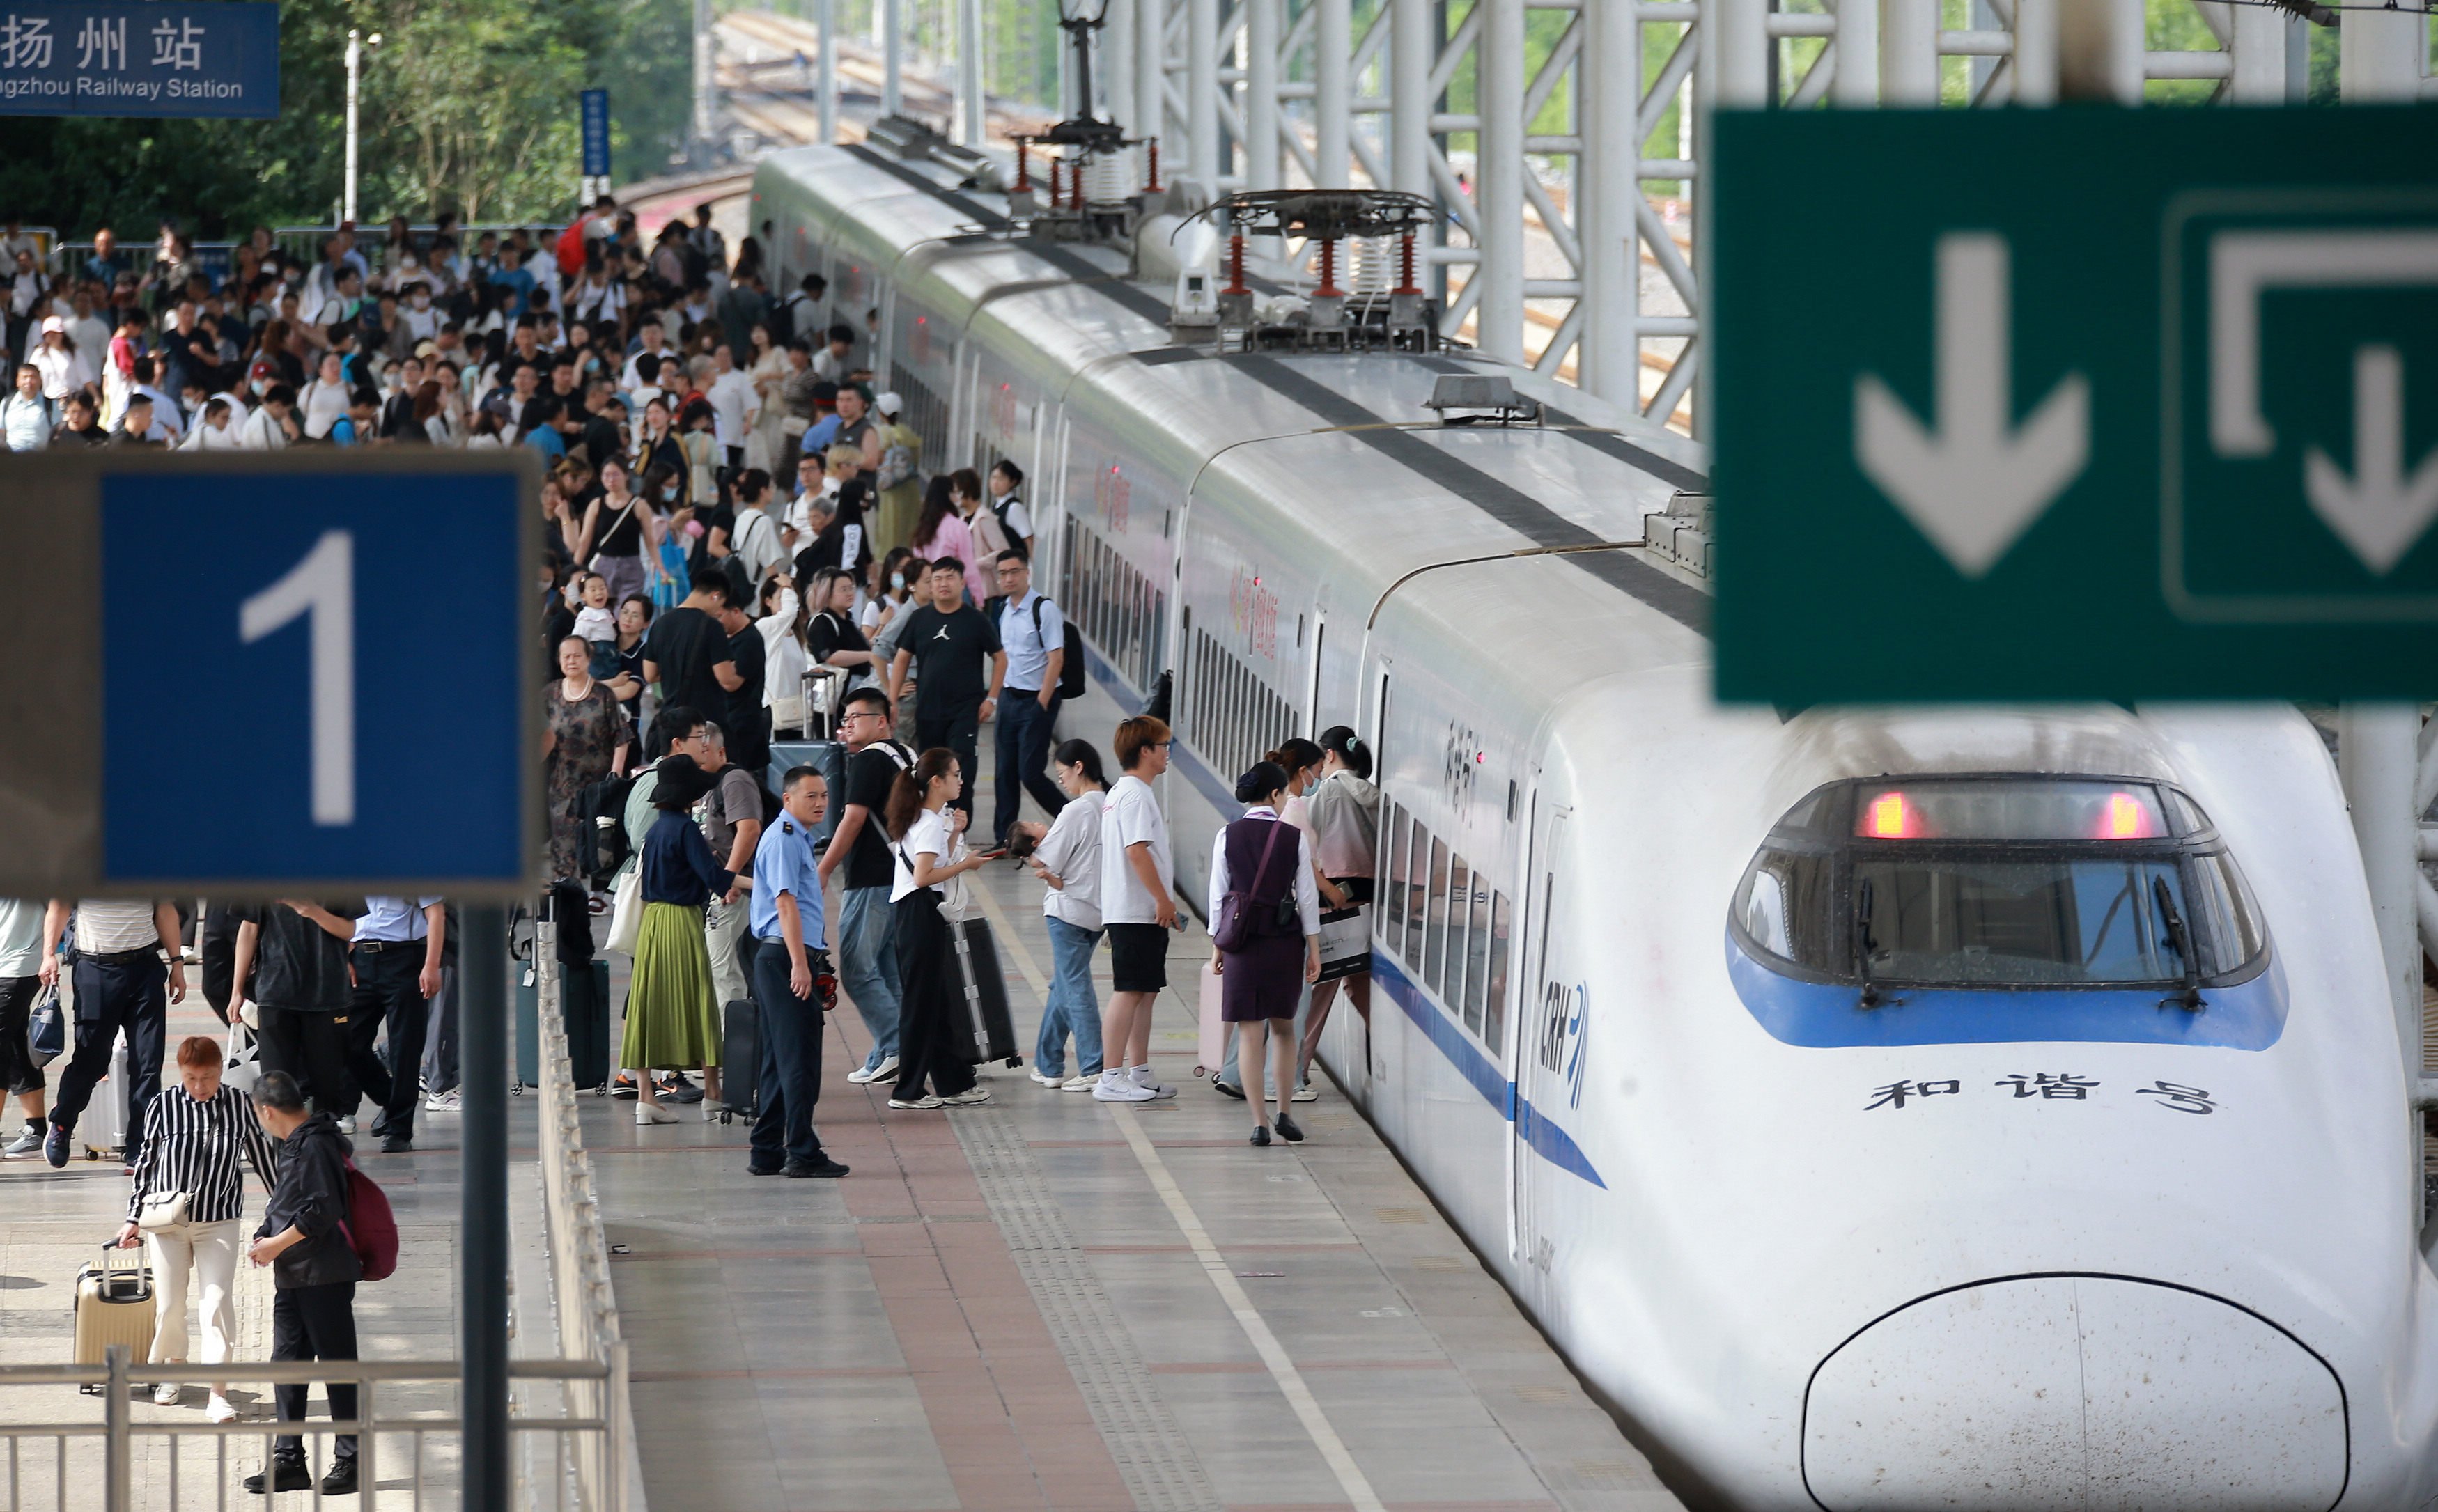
(1458, 765)
(1255, 611)
(1113, 497)
(1560, 1050)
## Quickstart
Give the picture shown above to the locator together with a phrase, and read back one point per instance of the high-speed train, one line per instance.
(1976, 1108)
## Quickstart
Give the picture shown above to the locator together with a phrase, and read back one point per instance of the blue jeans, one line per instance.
(867, 958)
(1072, 1008)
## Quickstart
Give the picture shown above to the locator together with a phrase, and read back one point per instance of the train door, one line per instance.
(1311, 725)
(1544, 1025)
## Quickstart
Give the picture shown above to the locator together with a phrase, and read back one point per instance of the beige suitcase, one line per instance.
(113, 1305)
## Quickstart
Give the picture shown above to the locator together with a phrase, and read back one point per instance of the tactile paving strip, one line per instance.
(1157, 1463)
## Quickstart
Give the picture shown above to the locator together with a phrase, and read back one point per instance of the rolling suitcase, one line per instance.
(1212, 1047)
(740, 1060)
(113, 1305)
(103, 1130)
(989, 1033)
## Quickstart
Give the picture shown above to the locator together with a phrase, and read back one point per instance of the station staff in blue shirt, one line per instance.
(791, 963)
(395, 956)
(1034, 635)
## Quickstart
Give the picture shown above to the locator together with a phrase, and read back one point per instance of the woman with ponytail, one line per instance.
(925, 838)
(1344, 811)
(1258, 938)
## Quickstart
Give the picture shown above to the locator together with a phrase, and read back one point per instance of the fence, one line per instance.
(571, 1425)
(301, 242)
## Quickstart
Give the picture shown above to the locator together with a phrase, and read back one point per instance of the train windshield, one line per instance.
(2000, 882)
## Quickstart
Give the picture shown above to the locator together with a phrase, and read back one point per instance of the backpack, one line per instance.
(1071, 671)
(898, 457)
(370, 1228)
(602, 849)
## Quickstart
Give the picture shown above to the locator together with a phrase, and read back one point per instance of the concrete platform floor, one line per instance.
(1048, 1302)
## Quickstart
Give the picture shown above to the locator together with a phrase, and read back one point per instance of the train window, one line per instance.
(1417, 890)
(1389, 914)
(1435, 917)
(1477, 960)
(1459, 889)
(1493, 1018)
(2000, 882)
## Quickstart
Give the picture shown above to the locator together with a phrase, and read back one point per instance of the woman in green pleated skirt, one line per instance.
(672, 1011)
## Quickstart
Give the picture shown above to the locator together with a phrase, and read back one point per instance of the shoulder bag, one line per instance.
(161, 1211)
(1232, 930)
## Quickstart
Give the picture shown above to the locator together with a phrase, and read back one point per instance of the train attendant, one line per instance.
(1343, 811)
(1264, 861)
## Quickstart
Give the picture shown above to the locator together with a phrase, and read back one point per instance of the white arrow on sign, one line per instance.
(2378, 511)
(1977, 482)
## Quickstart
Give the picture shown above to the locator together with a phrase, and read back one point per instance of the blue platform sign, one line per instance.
(322, 677)
(139, 58)
(596, 134)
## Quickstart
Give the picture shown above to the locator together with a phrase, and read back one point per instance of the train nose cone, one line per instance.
(2096, 1394)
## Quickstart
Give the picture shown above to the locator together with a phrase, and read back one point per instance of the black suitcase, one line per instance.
(584, 1007)
(740, 1058)
(986, 1032)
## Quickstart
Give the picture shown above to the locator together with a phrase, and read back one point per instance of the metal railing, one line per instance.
(93, 1462)
(301, 242)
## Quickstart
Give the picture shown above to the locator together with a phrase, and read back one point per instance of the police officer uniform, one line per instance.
(789, 1079)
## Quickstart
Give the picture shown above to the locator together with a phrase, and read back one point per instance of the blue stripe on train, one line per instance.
(1536, 1127)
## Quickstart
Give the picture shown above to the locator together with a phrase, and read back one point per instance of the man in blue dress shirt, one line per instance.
(395, 953)
(790, 966)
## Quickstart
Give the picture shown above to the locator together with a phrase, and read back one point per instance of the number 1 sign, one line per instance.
(272, 673)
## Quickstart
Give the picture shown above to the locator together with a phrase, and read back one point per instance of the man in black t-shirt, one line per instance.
(747, 725)
(866, 956)
(687, 652)
(291, 962)
(961, 667)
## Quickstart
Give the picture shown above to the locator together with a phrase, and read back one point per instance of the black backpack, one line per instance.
(601, 845)
(1072, 674)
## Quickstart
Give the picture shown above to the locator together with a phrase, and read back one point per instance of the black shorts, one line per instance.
(1137, 958)
(17, 997)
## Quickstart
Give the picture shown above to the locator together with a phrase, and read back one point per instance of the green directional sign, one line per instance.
(2077, 403)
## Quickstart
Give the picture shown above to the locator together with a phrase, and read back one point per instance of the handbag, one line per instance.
(627, 911)
(161, 1211)
(1233, 929)
(1345, 943)
(46, 1029)
(244, 1067)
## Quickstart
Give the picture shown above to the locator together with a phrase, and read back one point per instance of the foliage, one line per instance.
(468, 104)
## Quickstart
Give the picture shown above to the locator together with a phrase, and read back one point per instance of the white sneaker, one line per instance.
(966, 1098)
(1085, 1082)
(926, 1102)
(1054, 1082)
(885, 1071)
(444, 1103)
(1144, 1080)
(221, 1411)
(348, 1125)
(1115, 1086)
(166, 1394)
(1303, 1093)
(648, 1114)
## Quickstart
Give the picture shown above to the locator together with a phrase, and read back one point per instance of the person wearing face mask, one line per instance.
(892, 583)
(421, 321)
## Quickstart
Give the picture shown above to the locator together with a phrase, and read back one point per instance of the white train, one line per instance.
(1882, 1110)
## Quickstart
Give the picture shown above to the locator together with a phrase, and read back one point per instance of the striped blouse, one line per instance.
(195, 1146)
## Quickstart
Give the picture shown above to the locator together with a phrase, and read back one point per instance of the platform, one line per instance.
(1050, 1302)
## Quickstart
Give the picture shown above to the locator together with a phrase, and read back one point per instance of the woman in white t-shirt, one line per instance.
(1067, 858)
(924, 839)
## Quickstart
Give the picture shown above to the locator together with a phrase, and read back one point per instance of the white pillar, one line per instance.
(1608, 356)
(1150, 77)
(892, 56)
(1909, 52)
(1332, 45)
(972, 109)
(705, 84)
(1115, 68)
(1498, 179)
(2035, 52)
(1262, 94)
(355, 68)
(1202, 92)
(2099, 50)
(1856, 83)
(2256, 45)
(1413, 47)
(826, 13)
(1739, 30)
(2376, 748)
(2378, 56)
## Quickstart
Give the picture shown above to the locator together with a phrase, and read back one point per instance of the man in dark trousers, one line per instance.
(313, 1277)
(1033, 636)
(789, 960)
(120, 985)
(291, 963)
(957, 687)
(396, 952)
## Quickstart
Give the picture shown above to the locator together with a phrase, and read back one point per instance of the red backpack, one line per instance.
(370, 1229)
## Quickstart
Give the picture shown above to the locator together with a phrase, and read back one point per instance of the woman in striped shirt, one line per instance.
(193, 1139)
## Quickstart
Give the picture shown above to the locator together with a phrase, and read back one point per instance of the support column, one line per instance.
(2376, 755)
(1202, 92)
(705, 81)
(892, 56)
(1856, 83)
(1333, 44)
(1117, 64)
(1909, 52)
(1262, 94)
(827, 83)
(1151, 77)
(1738, 33)
(1608, 351)
(2035, 52)
(2378, 56)
(1413, 47)
(2256, 42)
(1498, 179)
(2099, 50)
(972, 109)
(483, 1052)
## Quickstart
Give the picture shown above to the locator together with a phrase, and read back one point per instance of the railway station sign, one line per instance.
(2076, 403)
(592, 110)
(260, 674)
(216, 58)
